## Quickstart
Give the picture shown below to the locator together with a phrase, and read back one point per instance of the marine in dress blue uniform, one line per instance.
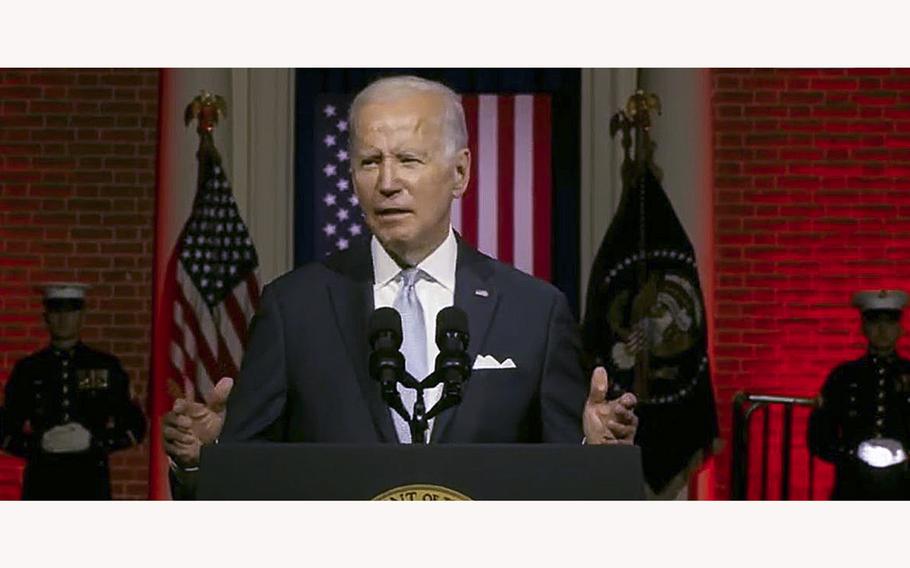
(862, 423)
(68, 407)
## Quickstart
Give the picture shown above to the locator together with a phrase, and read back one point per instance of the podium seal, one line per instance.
(421, 492)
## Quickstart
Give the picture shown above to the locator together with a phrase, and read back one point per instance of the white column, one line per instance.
(603, 92)
(262, 163)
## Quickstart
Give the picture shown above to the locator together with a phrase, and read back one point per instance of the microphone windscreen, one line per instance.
(450, 319)
(386, 320)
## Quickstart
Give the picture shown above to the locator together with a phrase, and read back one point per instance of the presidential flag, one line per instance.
(644, 282)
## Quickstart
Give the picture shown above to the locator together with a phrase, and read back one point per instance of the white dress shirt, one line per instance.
(435, 292)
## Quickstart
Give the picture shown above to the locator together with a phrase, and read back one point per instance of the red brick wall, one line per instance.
(812, 181)
(77, 183)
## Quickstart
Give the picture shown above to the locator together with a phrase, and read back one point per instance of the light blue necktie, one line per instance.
(413, 345)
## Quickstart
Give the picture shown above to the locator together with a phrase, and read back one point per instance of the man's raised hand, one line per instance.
(191, 424)
(608, 421)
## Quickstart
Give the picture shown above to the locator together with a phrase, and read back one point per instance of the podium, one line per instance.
(266, 471)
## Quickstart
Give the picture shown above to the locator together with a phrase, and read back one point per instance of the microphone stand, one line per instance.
(419, 422)
(451, 396)
(392, 397)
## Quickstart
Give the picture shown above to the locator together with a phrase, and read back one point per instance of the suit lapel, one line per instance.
(475, 295)
(352, 301)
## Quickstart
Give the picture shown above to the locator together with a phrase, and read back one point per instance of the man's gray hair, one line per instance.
(455, 130)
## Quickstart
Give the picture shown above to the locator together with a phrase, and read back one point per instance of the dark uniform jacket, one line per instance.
(863, 399)
(53, 387)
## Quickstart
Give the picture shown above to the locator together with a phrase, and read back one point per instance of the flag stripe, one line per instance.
(231, 307)
(183, 344)
(193, 327)
(523, 196)
(227, 327)
(505, 136)
(226, 366)
(488, 178)
(244, 309)
(185, 341)
(470, 199)
(542, 188)
(203, 384)
(252, 291)
(179, 360)
(182, 360)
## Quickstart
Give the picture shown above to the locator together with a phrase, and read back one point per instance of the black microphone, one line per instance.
(453, 367)
(452, 330)
(386, 360)
(385, 329)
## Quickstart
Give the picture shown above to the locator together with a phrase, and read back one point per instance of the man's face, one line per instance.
(882, 329)
(404, 180)
(63, 325)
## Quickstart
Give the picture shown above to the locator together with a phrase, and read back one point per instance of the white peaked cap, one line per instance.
(868, 300)
(64, 290)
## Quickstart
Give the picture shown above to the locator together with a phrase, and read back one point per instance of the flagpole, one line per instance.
(635, 124)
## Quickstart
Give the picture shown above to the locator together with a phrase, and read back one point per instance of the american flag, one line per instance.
(340, 222)
(216, 283)
(506, 212)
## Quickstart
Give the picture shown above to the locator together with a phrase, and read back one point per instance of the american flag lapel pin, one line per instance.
(481, 293)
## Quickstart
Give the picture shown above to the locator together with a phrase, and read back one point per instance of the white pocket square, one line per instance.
(490, 362)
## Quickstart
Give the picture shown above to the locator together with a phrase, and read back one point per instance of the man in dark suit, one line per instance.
(305, 373)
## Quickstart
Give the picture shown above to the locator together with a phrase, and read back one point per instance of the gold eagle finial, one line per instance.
(206, 108)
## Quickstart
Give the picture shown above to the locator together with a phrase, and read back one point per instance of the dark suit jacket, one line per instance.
(305, 373)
